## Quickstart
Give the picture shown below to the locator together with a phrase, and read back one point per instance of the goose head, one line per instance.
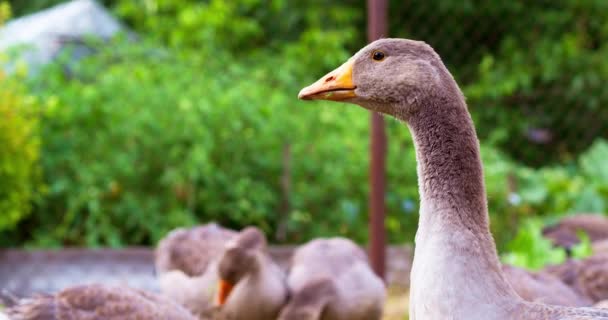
(387, 76)
(238, 260)
(309, 302)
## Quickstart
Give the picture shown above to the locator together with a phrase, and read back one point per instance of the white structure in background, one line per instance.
(43, 34)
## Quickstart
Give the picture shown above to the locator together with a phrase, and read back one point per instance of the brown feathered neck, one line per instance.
(449, 165)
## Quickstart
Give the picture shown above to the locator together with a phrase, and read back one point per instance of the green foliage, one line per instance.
(124, 144)
(19, 152)
(241, 26)
(199, 120)
(186, 139)
(529, 249)
(584, 248)
(21, 7)
(578, 187)
(5, 12)
(550, 81)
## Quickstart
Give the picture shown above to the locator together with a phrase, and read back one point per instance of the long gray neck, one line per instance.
(450, 175)
(453, 237)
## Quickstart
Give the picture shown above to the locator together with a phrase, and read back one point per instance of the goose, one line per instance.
(565, 232)
(601, 304)
(98, 302)
(544, 287)
(600, 247)
(588, 276)
(186, 265)
(330, 279)
(251, 285)
(456, 273)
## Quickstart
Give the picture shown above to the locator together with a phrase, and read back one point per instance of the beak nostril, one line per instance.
(330, 79)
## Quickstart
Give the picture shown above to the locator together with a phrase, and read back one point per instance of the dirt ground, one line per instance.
(396, 305)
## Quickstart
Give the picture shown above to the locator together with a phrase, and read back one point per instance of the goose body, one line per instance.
(544, 287)
(600, 247)
(252, 285)
(455, 273)
(588, 276)
(99, 302)
(186, 265)
(330, 279)
(565, 232)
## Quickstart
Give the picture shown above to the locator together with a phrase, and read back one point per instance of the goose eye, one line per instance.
(378, 55)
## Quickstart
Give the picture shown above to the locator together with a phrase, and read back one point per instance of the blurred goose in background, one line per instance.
(251, 285)
(543, 287)
(565, 232)
(588, 277)
(98, 302)
(330, 279)
(600, 247)
(186, 266)
(456, 273)
(602, 304)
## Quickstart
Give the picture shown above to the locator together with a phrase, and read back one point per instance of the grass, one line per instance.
(396, 306)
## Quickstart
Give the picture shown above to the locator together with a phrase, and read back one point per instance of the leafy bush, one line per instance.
(19, 152)
(529, 249)
(538, 95)
(139, 140)
(5, 12)
(129, 154)
(582, 186)
(25, 7)
(544, 90)
(199, 121)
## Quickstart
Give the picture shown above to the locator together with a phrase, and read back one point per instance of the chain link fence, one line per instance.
(533, 71)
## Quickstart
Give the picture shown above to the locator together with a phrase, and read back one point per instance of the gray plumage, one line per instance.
(186, 266)
(565, 232)
(98, 302)
(456, 273)
(544, 287)
(588, 276)
(330, 279)
(259, 284)
(192, 250)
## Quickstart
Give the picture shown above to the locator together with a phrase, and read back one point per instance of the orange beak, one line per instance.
(224, 290)
(336, 86)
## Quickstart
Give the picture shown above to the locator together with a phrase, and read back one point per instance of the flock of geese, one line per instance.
(213, 273)
(210, 272)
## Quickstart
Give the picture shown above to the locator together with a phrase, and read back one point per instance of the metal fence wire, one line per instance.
(533, 71)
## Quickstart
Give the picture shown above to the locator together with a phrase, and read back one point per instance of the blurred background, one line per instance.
(181, 112)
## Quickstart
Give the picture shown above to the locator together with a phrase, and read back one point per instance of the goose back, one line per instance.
(96, 302)
(186, 266)
(543, 287)
(353, 290)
